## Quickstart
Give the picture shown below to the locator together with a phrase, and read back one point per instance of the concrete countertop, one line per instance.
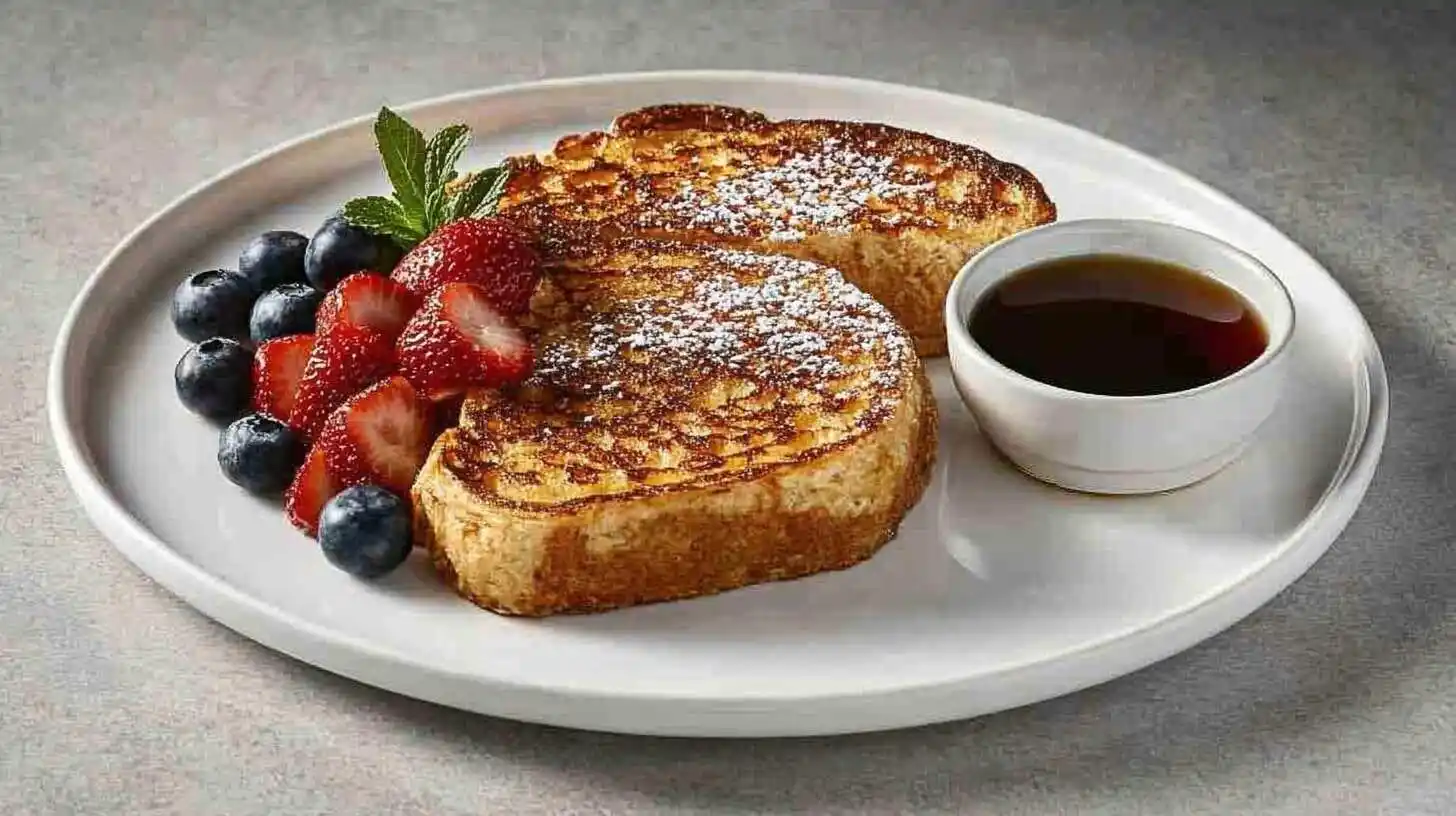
(1337, 121)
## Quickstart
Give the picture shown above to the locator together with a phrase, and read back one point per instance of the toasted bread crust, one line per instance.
(689, 116)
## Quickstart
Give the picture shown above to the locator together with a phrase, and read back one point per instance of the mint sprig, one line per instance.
(441, 154)
(426, 192)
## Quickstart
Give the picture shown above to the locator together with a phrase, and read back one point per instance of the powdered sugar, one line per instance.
(763, 317)
(824, 191)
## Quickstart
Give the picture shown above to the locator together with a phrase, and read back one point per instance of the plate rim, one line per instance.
(362, 661)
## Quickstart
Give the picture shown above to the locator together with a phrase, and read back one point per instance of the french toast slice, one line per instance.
(701, 418)
(896, 211)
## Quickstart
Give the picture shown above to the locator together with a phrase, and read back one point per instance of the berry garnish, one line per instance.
(365, 531)
(490, 252)
(213, 378)
(379, 436)
(273, 259)
(368, 301)
(340, 248)
(287, 309)
(428, 192)
(277, 369)
(458, 340)
(344, 361)
(214, 303)
(311, 489)
(259, 454)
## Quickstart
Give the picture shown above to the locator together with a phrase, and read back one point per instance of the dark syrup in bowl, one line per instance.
(1115, 325)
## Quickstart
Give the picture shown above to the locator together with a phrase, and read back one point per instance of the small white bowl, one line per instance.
(1113, 444)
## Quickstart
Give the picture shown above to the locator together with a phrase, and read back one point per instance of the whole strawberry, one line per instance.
(491, 253)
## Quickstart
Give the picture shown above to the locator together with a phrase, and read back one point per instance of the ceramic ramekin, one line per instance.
(1113, 444)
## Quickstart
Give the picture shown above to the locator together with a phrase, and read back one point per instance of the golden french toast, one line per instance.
(701, 418)
(728, 388)
(896, 211)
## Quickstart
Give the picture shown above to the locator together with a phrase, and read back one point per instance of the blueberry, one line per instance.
(365, 531)
(289, 309)
(259, 454)
(339, 249)
(215, 378)
(214, 303)
(273, 259)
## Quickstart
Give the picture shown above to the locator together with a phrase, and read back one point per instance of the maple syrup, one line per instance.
(1118, 326)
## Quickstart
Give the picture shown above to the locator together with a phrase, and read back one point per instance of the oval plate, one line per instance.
(997, 592)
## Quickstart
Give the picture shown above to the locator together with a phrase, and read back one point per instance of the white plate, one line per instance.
(1059, 591)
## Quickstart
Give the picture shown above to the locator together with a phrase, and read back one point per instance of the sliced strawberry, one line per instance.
(344, 361)
(277, 368)
(458, 340)
(368, 301)
(380, 436)
(312, 488)
(491, 252)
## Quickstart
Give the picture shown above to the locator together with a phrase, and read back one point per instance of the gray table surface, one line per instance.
(1336, 121)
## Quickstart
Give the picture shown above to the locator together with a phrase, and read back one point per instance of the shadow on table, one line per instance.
(1291, 674)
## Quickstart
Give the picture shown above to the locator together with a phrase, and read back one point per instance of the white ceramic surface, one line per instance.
(1060, 590)
(1114, 444)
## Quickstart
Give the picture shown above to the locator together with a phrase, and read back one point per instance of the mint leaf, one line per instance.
(402, 150)
(472, 192)
(480, 194)
(493, 195)
(383, 216)
(441, 154)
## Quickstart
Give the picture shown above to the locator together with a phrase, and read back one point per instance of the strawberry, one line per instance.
(380, 436)
(344, 361)
(491, 252)
(368, 301)
(312, 488)
(277, 367)
(458, 340)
